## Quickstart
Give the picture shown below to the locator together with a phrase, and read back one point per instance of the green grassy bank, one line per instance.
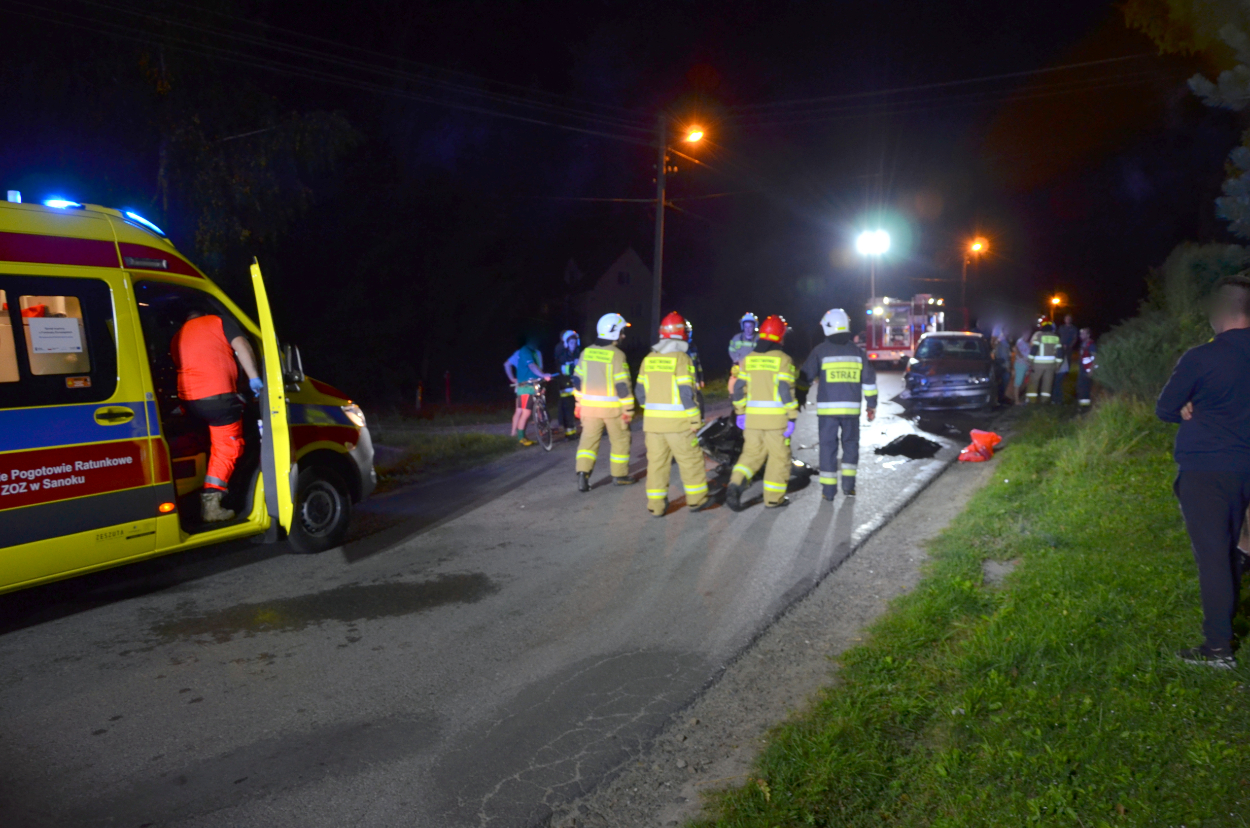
(1055, 699)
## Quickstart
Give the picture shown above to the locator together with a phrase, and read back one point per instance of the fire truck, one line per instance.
(896, 325)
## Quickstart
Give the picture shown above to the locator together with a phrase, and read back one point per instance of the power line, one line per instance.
(938, 85)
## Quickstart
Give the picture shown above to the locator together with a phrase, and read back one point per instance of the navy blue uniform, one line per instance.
(845, 382)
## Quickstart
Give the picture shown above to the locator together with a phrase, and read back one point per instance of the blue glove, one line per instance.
(789, 430)
(742, 421)
(257, 385)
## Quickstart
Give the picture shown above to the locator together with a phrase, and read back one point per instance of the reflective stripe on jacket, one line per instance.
(765, 390)
(845, 380)
(665, 390)
(1044, 349)
(601, 382)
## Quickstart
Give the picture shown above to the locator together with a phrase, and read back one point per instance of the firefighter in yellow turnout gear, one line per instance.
(666, 392)
(766, 407)
(1043, 360)
(605, 403)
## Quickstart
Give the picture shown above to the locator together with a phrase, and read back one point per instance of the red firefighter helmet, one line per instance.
(773, 328)
(673, 326)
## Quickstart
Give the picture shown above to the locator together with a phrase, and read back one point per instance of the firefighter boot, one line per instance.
(624, 481)
(210, 507)
(733, 496)
(583, 481)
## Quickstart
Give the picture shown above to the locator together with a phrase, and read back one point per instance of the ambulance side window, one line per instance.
(66, 352)
(8, 349)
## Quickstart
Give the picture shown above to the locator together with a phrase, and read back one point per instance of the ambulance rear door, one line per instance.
(276, 435)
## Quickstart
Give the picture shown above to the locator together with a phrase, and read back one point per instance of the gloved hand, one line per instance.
(789, 430)
(626, 417)
(577, 411)
(741, 421)
(872, 414)
(257, 385)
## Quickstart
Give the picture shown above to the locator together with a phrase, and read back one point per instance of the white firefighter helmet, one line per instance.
(567, 335)
(835, 321)
(610, 326)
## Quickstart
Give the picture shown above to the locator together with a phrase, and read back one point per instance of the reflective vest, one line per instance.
(1089, 357)
(665, 391)
(740, 346)
(601, 382)
(765, 391)
(844, 379)
(1045, 349)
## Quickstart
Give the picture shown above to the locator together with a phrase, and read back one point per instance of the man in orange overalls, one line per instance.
(204, 352)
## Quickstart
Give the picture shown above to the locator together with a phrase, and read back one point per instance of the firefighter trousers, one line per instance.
(830, 427)
(767, 448)
(662, 450)
(1041, 382)
(593, 429)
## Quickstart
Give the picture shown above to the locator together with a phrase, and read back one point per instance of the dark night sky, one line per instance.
(1081, 178)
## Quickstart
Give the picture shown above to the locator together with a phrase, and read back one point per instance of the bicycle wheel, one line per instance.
(542, 423)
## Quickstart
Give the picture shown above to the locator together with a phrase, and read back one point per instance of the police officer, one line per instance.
(766, 408)
(845, 381)
(604, 402)
(1043, 358)
(666, 392)
(1089, 359)
(567, 352)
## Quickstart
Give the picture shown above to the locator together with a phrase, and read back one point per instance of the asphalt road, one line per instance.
(487, 646)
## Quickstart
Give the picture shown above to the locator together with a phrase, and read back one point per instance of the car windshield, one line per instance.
(953, 348)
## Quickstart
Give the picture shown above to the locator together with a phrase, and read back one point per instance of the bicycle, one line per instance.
(542, 420)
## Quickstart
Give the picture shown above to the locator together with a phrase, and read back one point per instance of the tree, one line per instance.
(1221, 30)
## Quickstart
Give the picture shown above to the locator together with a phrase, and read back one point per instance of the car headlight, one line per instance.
(354, 414)
(978, 380)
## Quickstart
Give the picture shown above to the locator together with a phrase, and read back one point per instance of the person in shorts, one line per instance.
(523, 368)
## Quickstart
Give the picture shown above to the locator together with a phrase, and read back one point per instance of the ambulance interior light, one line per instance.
(61, 203)
(138, 219)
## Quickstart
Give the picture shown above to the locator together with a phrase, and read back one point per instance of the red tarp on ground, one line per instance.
(981, 448)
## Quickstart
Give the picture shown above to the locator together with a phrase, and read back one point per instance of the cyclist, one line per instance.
(522, 368)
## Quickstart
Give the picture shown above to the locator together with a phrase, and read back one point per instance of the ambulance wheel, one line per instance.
(323, 509)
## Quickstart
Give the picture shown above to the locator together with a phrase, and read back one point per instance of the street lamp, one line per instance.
(693, 135)
(872, 243)
(976, 247)
(1055, 302)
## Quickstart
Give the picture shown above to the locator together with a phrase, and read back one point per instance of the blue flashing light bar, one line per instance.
(138, 219)
(61, 203)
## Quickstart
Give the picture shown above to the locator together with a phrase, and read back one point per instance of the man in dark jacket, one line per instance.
(1208, 394)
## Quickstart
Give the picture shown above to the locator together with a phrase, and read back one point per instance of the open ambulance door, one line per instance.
(275, 443)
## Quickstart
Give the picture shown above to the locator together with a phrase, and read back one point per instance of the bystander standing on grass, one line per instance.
(1209, 395)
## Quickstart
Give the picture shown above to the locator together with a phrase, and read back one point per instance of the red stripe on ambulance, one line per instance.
(47, 475)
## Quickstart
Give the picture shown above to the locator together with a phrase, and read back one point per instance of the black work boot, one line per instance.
(785, 501)
(733, 496)
(624, 481)
(583, 481)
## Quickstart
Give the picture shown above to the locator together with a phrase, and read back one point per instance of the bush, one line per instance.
(1137, 357)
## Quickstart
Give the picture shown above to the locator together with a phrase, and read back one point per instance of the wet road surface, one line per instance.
(487, 646)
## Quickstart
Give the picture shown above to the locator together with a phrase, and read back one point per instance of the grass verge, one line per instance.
(1056, 699)
(442, 452)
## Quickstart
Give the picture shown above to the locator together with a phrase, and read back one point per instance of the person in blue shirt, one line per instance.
(1208, 394)
(522, 368)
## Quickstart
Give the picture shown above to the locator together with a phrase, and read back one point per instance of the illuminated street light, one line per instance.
(976, 247)
(693, 135)
(872, 243)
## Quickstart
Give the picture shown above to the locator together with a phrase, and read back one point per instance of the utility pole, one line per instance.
(657, 258)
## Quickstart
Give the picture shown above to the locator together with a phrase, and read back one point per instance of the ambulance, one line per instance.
(100, 464)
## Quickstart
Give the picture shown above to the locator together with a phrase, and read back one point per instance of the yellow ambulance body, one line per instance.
(99, 463)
